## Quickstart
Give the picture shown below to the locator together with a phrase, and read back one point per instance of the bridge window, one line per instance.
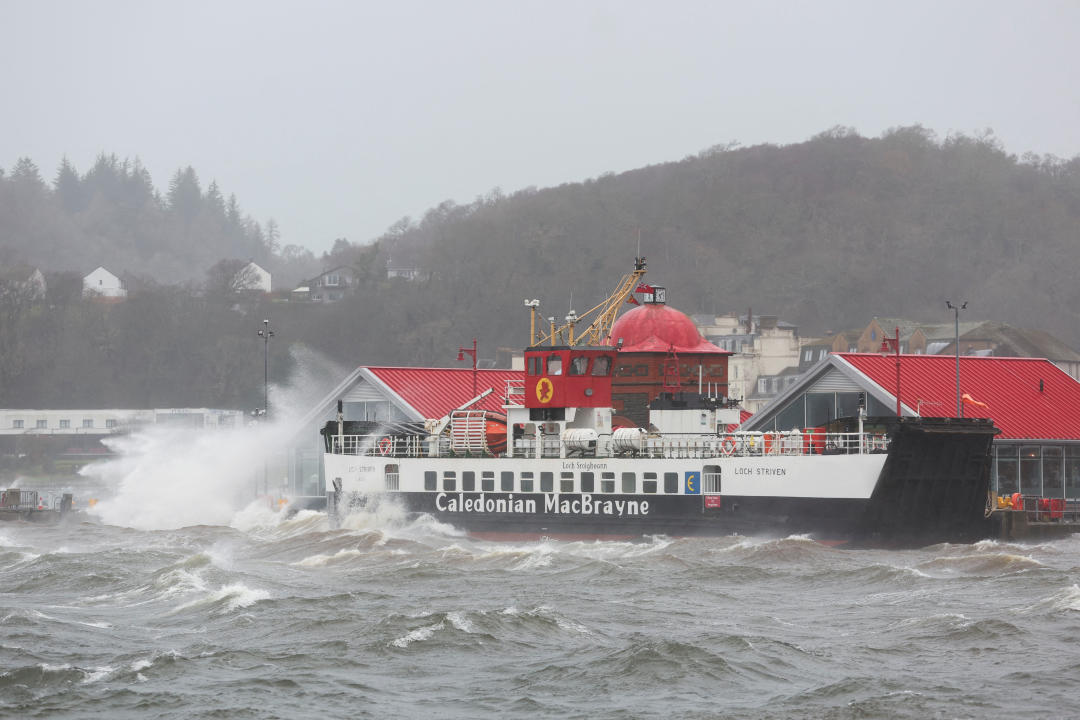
(536, 365)
(566, 482)
(671, 483)
(17, 424)
(449, 481)
(87, 423)
(554, 365)
(64, 424)
(506, 481)
(547, 482)
(588, 482)
(607, 482)
(578, 365)
(487, 481)
(601, 366)
(526, 482)
(111, 423)
(431, 480)
(41, 424)
(468, 481)
(629, 482)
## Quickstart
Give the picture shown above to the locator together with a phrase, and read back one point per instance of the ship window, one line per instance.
(601, 366)
(506, 481)
(648, 486)
(487, 481)
(449, 481)
(554, 365)
(629, 482)
(588, 483)
(547, 484)
(671, 483)
(526, 482)
(468, 481)
(566, 482)
(578, 365)
(536, 366)
(431, 480)
(607, 482)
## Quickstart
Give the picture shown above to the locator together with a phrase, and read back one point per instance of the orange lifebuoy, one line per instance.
(727, 445)
(385, 445)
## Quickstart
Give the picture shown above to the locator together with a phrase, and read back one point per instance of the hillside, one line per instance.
(826, 233)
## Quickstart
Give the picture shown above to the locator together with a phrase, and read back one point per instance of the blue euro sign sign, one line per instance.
(693, 483)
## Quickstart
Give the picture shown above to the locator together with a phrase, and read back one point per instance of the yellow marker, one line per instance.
(544, 390)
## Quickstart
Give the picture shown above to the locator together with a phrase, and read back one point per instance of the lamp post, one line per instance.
(956, 317)
(461, 353)
(889, 344)
(266, 333)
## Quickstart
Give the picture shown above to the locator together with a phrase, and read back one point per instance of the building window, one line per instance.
(87, 423)
(64, 424)
(17, 424)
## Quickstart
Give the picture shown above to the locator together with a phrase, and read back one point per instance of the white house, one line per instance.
(252, 277)
(102, 283)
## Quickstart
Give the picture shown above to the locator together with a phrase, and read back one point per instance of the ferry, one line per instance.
(562, 461)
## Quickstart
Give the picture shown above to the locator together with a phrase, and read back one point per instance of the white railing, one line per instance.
(741, 444)
(515, 393)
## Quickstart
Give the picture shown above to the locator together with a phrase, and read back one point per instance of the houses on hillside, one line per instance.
(103, 285)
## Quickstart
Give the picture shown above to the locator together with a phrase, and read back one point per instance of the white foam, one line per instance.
(96, 674)
(165, 477)
(418, 635)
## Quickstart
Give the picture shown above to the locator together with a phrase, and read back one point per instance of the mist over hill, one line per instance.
(826, 233)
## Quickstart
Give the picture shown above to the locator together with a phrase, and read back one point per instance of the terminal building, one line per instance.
(1034, 403)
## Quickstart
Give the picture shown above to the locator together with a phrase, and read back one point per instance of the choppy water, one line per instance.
(265, 617)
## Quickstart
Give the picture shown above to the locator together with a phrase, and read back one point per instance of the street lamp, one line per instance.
(461, 353)
(266, 333)
(956, 317)
(889, 344)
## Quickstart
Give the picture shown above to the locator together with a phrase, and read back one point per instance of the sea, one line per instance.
(178, 596)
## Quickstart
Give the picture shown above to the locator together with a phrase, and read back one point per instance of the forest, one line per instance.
(826, 234)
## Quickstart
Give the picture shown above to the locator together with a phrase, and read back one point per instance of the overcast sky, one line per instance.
(338, 118)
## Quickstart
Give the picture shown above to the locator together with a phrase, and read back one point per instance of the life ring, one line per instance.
(385, 446)
(727, 445)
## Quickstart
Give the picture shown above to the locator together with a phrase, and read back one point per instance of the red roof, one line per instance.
(1010, 388)
(434, 392)
(655, 327)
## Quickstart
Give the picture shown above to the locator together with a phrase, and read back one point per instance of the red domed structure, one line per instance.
(661, 351)
(656, 327)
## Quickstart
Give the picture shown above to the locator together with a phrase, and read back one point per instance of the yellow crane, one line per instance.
(599, 328)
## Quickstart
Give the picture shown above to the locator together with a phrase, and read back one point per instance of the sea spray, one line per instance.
(165, 477)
